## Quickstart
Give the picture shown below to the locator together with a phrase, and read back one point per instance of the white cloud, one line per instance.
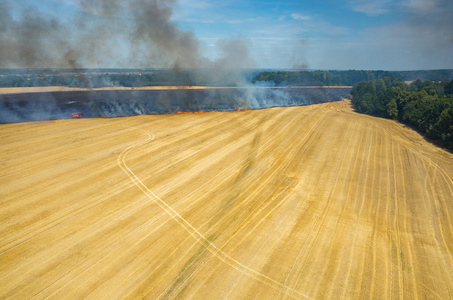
(296, 16)
(419, 7)
(316, 25)
(330, 29)
(238, 21)
(371, 7)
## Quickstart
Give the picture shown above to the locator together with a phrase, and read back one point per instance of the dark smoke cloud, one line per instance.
(153, 29)
(27, 41)
(234, 56)
(129, 34)
(107, 33)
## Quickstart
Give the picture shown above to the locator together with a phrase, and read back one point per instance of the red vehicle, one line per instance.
(77, 115)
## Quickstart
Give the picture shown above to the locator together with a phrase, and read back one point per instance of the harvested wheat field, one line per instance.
(297, 202)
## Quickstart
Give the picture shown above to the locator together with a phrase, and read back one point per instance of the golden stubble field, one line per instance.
(297, 202)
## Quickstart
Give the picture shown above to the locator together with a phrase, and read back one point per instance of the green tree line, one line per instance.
(89, 80)
(149, 77)
(345, 78)
(426, 106)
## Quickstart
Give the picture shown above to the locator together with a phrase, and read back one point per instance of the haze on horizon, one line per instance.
(352, 34)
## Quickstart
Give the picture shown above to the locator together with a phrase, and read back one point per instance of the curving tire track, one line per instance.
(192, 231)
(302, 202)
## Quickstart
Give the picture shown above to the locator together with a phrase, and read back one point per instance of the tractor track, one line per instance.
(310, 202)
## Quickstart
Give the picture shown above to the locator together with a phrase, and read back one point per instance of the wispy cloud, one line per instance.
(374, 8)
(371, 7)
(296, 16)
(317, 25)
(241, 21)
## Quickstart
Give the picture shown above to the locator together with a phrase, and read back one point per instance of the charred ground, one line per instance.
(22, 107)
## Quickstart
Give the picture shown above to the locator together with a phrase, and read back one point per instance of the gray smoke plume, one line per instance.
(119, 103)
(25, 40)
(127, 34)
(113, 33)
(97, 37)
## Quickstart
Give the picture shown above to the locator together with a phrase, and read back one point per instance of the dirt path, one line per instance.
(297, 202)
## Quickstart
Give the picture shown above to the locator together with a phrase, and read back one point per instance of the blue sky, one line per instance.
(326, 34)
(356, 34)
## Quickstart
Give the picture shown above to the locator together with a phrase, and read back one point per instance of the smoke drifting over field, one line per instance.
(118, 103)
(109, 33)
(128, 34)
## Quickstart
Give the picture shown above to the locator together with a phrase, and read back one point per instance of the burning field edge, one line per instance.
(51, 103)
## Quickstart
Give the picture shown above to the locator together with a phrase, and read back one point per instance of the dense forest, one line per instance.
(426, 106)
(91, 78)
